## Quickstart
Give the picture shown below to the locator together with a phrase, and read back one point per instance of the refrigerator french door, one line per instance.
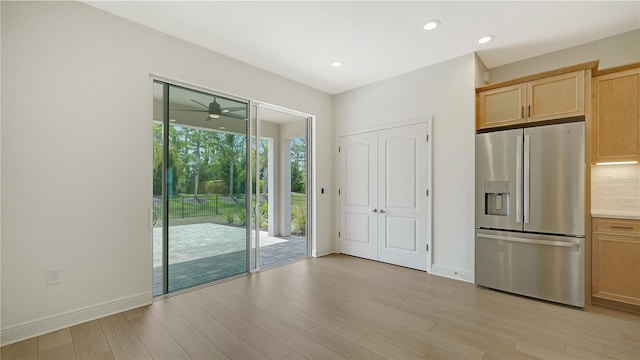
(530, 192)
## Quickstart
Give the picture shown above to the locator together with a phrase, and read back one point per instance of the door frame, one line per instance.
(310, 176)
(428, 120)
(165, 219)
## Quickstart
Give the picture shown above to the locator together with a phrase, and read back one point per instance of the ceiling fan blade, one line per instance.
(235, 108)
(201, 104)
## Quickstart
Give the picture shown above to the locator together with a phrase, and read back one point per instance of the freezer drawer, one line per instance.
(540, 266)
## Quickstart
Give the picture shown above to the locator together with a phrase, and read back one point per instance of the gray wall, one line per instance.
(76, 156)
(612, 51)
(446, 92)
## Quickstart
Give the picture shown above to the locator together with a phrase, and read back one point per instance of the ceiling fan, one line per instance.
(215, 110)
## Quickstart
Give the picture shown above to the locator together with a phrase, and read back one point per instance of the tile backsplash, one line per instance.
(615, 188)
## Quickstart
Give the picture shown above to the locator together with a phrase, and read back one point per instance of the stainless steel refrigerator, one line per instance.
(530, 191)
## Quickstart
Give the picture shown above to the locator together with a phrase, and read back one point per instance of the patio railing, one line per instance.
(201, 205)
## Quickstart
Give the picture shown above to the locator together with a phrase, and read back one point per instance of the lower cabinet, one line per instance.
(616, 263)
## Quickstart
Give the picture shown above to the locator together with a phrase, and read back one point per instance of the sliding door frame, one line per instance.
(310, 165)
(166, 83)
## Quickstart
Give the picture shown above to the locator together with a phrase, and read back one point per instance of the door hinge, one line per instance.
(427, 137)
(338, 233)
(338, 191)
(427, 246)
(427, 192)
(339, 149)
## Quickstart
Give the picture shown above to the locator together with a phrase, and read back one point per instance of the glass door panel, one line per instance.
(281, 186)
(203, 237)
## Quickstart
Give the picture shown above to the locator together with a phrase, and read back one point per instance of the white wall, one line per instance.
(446, 92)
(612, 51)
(76, 156)
(615, 189)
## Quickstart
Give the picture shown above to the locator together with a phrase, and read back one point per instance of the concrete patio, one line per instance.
(206, 252)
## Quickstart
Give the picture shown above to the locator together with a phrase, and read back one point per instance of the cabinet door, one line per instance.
(500, 107)
(555, 97)
(616, 114)
(616, 268)
(359, 195)
(402, 198)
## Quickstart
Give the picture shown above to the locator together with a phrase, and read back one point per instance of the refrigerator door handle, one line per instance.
(529, 241)
(527, 188)
(519, 179)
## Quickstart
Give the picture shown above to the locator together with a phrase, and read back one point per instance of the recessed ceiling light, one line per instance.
(431, 25)
(486, 39)
(337, 64)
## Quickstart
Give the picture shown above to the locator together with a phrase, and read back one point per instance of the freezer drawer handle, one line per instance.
(529, 241)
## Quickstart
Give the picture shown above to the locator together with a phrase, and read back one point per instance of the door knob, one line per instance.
(373, 210)
(382, 211)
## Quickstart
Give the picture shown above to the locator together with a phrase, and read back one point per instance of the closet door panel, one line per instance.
(402, 217)
(358, 195)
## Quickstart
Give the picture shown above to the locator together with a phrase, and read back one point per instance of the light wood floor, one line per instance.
(340, 307)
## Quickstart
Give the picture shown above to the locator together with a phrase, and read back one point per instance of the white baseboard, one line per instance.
(453, 273)
(46, 325)
(323, 252)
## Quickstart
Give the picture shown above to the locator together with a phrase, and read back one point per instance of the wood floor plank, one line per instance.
(541, 352)
(295, 356)
(341, 346)
(23, 350)
(342, 307)
(186, 334)
(231, 344)
(189, 305)
(481, 340)
(262, 341)
(281, 331)
(437, 353)
(88, 340)
(56, 345)
(157, 340)
(123, 340)
(385, 349)
(108, 355)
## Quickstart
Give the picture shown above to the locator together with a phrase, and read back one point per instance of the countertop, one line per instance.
(632, 215)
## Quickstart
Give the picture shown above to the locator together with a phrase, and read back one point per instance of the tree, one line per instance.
(298, 164)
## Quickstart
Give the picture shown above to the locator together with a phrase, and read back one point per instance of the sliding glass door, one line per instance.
(281, 185)
(199, 187)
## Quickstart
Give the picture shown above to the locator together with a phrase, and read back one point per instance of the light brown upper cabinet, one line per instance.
(548, 98)
(616, 115)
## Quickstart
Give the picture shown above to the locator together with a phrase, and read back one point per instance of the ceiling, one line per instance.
(376, 40)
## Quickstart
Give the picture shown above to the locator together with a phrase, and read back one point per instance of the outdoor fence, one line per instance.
(201, 205)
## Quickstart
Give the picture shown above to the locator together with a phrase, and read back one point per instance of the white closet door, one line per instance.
(358, 198)
(402, 198)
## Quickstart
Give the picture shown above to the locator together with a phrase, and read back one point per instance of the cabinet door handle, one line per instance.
(621, 227)
(522, 112)
(529, 115)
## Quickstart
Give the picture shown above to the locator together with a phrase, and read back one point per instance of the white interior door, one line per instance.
(402, 196)
(358, 195)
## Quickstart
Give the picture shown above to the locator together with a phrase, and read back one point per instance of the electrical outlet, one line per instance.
(54, 276)
(629, 201)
